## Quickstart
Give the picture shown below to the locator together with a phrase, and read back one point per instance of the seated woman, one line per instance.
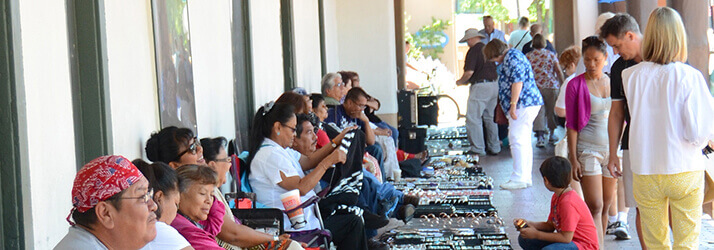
(177, 147)
(198, 220)
(164, 182)
(275, 169)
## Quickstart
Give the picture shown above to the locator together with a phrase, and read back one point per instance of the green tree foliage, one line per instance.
(493, 8)
(429, 34)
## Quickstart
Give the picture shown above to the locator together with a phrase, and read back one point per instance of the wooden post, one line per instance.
(694, 15)
(399, 40)
(640, 10)
(563, 24)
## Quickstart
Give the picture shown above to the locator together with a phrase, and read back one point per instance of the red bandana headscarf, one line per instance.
(100, 179)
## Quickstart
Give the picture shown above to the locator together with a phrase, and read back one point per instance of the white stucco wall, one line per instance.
(267, 50)
(586, 13)
(131, 75)
(332, 54)
(366, 44)
(212, 67)
(50, 125)
(306, 27)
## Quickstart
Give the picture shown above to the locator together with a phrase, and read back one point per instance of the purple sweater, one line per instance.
(577, 104)
(202, 238)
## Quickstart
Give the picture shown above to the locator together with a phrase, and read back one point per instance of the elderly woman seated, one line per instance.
(177, 147)
(198, 220)
(275, 169)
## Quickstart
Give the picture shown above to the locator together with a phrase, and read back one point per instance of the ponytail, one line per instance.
(262, 125)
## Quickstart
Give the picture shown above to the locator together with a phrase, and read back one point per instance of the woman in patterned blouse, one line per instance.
(548, 76)
(520, 100)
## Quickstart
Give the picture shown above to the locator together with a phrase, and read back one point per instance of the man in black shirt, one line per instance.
(623, 34)
(483, 95)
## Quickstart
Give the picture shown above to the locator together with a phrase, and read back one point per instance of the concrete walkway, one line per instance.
(533, 203)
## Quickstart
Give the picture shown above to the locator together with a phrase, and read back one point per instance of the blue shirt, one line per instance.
(497, 34)
(516, 68)
(339, 117)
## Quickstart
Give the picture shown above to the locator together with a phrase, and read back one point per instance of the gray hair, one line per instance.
(328, 81)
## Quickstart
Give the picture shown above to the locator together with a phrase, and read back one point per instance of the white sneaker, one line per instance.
(511, 185)
(621, 232)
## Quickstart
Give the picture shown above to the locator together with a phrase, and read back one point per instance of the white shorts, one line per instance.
(594, 163)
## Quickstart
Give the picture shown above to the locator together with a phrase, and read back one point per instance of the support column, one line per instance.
(640, 10)
(694, 15)
(563, 24)
(399, 40)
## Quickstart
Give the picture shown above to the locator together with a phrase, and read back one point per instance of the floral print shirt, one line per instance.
(544, 64)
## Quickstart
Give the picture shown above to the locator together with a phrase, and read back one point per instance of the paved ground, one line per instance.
(533, 203)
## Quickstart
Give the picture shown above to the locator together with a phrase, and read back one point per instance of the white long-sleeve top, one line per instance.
(672, 114)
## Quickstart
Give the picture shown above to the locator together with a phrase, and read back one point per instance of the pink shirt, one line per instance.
(202, 238)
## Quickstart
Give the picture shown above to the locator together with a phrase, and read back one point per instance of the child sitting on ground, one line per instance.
(569, 225)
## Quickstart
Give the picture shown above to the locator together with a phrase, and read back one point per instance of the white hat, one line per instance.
(471, 33)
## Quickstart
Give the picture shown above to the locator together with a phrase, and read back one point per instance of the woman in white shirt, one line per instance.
(275, 169)
(672, 120)
(164, 183)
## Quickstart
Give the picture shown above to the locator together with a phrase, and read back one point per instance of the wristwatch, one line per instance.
(276, 238)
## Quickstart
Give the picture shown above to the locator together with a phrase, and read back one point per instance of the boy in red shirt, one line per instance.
(569, 225)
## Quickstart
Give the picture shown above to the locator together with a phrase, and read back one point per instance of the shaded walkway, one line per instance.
(533, 203)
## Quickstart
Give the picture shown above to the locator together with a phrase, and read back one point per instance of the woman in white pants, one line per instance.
(520, 100)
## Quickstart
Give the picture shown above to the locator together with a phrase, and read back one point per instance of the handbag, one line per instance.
(708, 186)
(499, 117)
(708, 177)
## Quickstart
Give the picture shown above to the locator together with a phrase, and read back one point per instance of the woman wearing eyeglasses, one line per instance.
(275, 169)
(164, 183)
(177, 147)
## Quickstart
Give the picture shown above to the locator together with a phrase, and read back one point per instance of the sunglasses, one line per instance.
(191, 148)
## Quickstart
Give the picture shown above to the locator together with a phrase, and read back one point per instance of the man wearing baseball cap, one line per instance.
(112, 207)
(483, 94)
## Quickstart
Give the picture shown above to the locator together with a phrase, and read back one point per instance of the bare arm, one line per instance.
(545, 226)
(240, 235)
(572, 153)
(307, 183)
(615, 124)
(559, 237)
(560, 112)
(515, 94)
(368, 131)
(559, 71)
(465, 77)
(308, 162)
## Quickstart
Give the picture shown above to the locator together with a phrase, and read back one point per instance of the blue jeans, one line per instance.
(532, 244)
(373, 196)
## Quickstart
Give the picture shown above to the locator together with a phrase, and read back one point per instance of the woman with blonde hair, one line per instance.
(671, 109)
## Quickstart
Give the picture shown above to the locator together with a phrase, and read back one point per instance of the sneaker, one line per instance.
(541, 142)
(611, 228)
(553, 138)
(511, 185)
(621, 231)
